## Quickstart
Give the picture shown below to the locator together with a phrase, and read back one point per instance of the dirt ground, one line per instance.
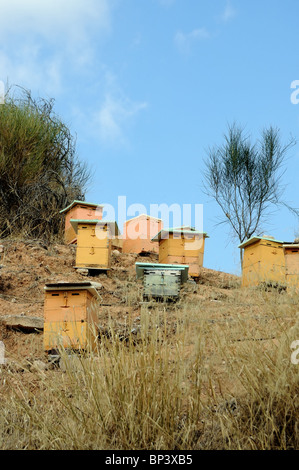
(225, 327)
(26, 266)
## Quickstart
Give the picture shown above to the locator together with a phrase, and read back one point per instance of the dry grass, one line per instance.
(213, 371)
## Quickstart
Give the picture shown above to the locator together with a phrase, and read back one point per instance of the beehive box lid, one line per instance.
(182, 268)
(75, 202)
(112, 224)
(256, 239)
(143, 216)
(163, 234)
(87, 285)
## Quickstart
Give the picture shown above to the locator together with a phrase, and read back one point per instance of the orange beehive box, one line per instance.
(94, 243)
(182, 245)
(79, 210)
(70, 316)
(263, 261)
(138, 232)
(291, 254)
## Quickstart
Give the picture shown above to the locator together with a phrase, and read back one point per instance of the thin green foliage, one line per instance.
(40, 172)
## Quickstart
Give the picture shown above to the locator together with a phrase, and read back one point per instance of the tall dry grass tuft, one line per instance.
(263, 415)
(199, 374)
(131, 394)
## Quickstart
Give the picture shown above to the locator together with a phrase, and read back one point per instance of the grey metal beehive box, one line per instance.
(162, 280)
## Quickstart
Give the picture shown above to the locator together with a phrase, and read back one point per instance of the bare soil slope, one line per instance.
(26, 266)
(222, 347)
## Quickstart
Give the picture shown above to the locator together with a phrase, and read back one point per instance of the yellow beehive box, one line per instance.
(263, 261)
(182, 245)
(291, 254)
(79, 210)
(94, 242)
(70, 316)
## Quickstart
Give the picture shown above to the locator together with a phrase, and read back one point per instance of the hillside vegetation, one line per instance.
(211, 371)
(39, 169)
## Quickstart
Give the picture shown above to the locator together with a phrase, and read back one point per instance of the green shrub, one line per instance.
(39, 169)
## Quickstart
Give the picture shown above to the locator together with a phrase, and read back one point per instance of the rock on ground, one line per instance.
(21, 322)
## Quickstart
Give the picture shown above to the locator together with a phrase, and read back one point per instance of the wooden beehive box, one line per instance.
(79, 210)
(94, 242)
(161, 280)
(70, 316)
(291, 254)
(263, 262)
(138, 232)
(182, 246)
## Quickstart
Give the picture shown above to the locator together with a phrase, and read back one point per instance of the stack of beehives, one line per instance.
(70, 318)
(182, 245)
(181, 252)
(94, 243)
(270, 261)
(162, 280)
(94, 238)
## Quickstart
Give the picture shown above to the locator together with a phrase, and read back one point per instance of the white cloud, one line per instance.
(52, 19)
(42, 40)
(51, 47)
(27, 68)
(184, 41)
(229, 12)
(114, 114)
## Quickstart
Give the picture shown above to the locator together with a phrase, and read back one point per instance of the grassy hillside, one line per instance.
(212, 371)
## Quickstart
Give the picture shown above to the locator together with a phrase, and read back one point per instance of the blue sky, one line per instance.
(148, 86)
